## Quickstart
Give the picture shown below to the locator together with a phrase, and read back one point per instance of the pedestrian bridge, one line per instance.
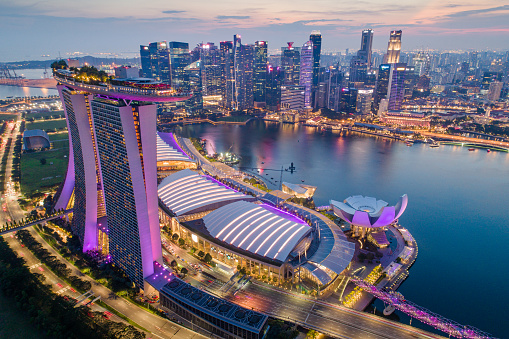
(32, 221)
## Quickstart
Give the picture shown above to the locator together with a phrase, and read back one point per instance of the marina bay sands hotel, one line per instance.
(111, 179)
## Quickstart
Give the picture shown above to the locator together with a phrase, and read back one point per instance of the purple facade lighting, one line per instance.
(115, 180)
(306, 71)
(422, 314)
(368, 212)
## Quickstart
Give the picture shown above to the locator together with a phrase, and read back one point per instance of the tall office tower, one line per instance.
(292, 98)
(210, 63)
(394, 48)
(364, 101)
(227, 73)
(382, 84)
(396, 90)
(348, 101)
(306, 71)
(316, 39)
(334, 80)
(194, 105)
(411, 78)
(273, 88)
(179, 59)
(321, 95)
(155, 61)
(237, 69)
(494, 90)
(290, 62)
(360, 64)
(244, 77)
(366, 46)
(358, 69)
(260, 71)
(145, 61)
(112, 168)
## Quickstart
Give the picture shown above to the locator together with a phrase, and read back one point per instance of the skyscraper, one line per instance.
(290, 62)
(260, 71)
(145, 61)
(111, 179)
(393, 48)
(179, 59)
(382, 84)
(155, 61)
(273, 88)
(316, 39)
(306, 71)
(366, 45)
(227, 73)
(361, 63)
(396, 86)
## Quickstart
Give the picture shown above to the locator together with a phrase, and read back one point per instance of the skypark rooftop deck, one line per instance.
(129, 89)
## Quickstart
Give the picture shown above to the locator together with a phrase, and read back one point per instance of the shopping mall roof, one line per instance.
(187, 192)
(168, 150)
(256, 229)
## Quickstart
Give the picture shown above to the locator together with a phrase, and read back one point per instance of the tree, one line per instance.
(184, 271)
(173, 263)
(181, 242)
(175, 236)
(201, 254)
(312, 334)
(208, 258)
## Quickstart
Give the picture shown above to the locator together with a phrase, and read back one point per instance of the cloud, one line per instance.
(173, 12)
(478, 11)
(236, 17)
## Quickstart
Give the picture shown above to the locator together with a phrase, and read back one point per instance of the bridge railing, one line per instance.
(426, 316)
(31, 221)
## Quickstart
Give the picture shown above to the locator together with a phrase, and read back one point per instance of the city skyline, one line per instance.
(426, 24)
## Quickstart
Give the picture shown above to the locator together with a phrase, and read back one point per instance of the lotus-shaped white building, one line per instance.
(367, 211)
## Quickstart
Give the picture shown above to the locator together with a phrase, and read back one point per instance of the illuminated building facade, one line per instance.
(155, 61)
(290, 62)
(306, 71)
(260, 71)
(227, 73)
(273, 88)
(394, 48)
(112, 171)
(316, 39)
(179, 59)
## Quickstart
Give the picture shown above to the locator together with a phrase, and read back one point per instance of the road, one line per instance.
(465, 139)
(159, 327)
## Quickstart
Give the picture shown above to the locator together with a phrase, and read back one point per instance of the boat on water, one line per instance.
(471, 149)
(408, 144)
(433, 145)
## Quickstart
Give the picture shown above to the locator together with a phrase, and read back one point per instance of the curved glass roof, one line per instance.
(334, 251)
(253, 228)
(165, 152)
(186, 191)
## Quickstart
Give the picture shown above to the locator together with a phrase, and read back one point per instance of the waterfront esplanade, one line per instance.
(112, 173)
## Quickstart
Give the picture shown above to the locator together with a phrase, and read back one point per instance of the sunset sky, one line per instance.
(31, 28)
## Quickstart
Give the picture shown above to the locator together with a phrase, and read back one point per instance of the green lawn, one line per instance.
(47, 125)
(14, 323)
(37, 177)
(38, 116)
(58, 136)
(7, 117)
